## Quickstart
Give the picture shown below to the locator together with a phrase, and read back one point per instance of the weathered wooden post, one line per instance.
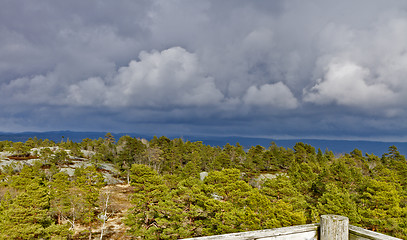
(334, 227)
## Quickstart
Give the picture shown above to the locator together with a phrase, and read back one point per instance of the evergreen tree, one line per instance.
(88, 181)
(60, 196)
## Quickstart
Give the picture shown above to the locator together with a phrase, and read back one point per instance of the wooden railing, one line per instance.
(332, 227)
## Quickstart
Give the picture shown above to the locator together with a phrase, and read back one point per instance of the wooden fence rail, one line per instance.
(332, 227)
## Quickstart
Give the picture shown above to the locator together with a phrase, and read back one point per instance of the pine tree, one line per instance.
(60, 197)
(88, 181)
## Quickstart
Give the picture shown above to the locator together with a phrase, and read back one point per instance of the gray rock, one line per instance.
(109, 170)
(68, 170)
(257, 182)
(203, 175)
(216, 196)
(110, 179)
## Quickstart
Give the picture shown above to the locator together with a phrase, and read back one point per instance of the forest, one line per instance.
(173, 189)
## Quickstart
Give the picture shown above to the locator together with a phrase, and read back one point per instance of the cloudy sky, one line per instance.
(281, 69)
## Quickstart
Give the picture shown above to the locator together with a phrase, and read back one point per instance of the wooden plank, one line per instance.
(294, 236)
(357, 233)
(308, 232)
(302, 232)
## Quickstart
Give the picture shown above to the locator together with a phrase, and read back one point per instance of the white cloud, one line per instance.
(171, 78)
(39, 89)
(363, 67)
(346, 83)
(273, 95)
(90, 92)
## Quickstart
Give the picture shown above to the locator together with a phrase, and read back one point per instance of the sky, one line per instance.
(279, 69)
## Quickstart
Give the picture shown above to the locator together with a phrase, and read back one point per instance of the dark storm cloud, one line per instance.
(270, 68)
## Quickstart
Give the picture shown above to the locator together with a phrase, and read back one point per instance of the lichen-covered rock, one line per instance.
(256, 182)
(203, 175)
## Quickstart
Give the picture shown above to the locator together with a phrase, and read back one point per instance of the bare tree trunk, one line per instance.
(90, 232)
(104, 216)
(128, 176)
(73, 219)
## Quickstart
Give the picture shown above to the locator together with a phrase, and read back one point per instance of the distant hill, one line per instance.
(55, 136)
(336, 146)
(58, 136)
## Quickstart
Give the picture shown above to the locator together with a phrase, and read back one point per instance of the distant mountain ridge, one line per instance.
(336, 146)
(58, 136)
